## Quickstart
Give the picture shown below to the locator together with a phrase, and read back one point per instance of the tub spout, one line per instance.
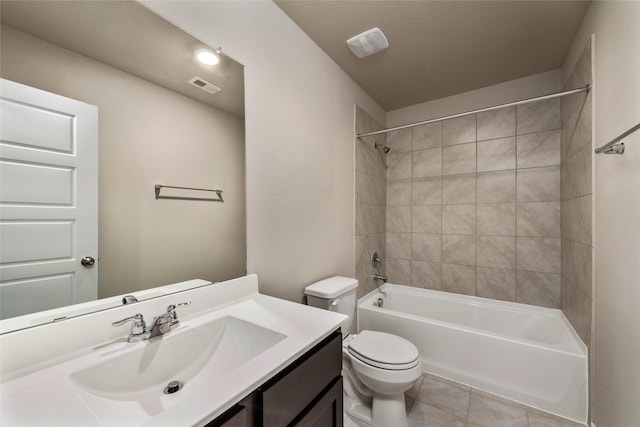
(379, 279)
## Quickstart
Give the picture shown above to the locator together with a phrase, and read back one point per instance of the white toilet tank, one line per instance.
(336, 293)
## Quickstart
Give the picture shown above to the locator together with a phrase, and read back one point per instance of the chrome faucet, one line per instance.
(160, 325)
(379, 279)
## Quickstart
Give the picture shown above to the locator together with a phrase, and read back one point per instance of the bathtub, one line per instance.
(524, 353)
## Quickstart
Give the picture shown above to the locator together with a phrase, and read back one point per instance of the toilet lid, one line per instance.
(383, 350)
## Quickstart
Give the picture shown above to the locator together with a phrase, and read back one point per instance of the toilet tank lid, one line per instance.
(331, 287)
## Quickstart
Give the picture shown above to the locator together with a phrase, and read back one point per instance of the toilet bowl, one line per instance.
(378, 368)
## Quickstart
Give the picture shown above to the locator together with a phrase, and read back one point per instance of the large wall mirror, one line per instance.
(163, 118)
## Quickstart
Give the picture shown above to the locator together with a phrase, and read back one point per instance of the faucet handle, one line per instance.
(171, 311)
(138, 326)
(171, 308)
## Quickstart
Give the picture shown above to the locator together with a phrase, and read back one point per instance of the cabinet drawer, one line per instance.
(326, 411)
(284, 397)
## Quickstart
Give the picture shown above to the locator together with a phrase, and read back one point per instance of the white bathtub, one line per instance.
(524, 353)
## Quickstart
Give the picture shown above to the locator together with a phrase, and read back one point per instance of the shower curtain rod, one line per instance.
(586, 88)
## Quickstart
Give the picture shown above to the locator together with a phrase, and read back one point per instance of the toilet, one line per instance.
(378, 368)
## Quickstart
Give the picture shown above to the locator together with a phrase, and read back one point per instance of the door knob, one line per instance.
(88, 261)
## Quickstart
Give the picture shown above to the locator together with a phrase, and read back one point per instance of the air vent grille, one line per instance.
(201, 83)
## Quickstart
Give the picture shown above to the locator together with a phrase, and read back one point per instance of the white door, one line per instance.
(48, 200)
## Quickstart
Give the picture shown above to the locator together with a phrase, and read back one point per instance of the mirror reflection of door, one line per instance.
(48, 200)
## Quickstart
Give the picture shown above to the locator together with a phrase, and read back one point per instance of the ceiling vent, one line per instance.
(368, 43)
(201, 83)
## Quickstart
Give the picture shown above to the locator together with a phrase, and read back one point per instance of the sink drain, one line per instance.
(173, 387)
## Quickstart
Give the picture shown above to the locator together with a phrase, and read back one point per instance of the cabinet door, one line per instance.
(234, 417)
(325, 412)
(292, 391)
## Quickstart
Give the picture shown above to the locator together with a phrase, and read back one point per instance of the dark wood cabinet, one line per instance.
(308, 392)
(326, 410)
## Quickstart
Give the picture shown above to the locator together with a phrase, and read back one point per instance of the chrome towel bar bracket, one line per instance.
(615, 147)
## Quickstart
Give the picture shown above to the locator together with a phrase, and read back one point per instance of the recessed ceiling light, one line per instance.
(207, 57)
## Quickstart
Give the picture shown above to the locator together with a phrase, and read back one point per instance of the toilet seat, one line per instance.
(383, 350)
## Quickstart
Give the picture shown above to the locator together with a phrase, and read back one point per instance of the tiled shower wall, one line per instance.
(473, 205)
(577, 200)
(370, 201)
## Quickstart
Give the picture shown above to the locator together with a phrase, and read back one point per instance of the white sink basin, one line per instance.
(140, 374)
(82, 372)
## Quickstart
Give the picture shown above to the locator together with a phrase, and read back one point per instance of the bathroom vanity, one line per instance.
(307, 392)
(242, 358)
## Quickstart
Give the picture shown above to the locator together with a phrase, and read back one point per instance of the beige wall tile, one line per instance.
(427, 163)
(399, 271)
(497, 123)
(497, 154)
(399, 165)
(426, 191)
(540, 254)
(538, 116)
(399, 245)
(426, 274)
(577, 220)
(459, 159)
(459, 219)
(370, 243)
(577, 262)
(426, 247)
(364, 191)
(577, 174)
(370, 219)
(398, 192)
(539, 149)
(541, 289)
(578, 308)
(370, 189)
(460, 279)
(452, 203)
(538, 184)
(426, 219)
(458, 249)
(539, 219)
(399, 140)
(427, 136)
(576, 133)
(497, 187)
(369, 161)
(459, 189)
(496, 283)
(398, 219)
(496, 251)
(496, 219)
(361, 250)
(459, 130)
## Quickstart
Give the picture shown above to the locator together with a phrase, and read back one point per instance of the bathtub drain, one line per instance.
(173, 387)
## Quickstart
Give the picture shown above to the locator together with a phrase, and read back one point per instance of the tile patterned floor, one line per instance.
(437, 402)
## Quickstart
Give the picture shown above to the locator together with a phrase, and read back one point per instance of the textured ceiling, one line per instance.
(440, 48)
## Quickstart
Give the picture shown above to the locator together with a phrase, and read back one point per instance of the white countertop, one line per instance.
(49, 397)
